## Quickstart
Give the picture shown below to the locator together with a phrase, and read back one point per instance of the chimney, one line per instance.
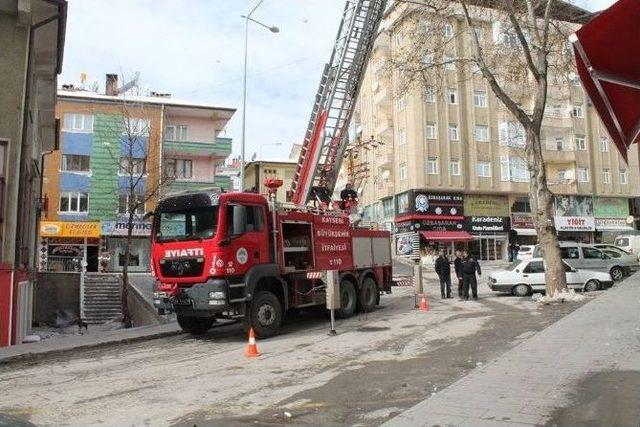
(111, 85)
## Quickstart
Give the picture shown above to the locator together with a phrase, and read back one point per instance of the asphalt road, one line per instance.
(378, 365)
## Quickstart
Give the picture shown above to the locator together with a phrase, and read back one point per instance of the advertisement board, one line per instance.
(611, 207)
(574, 213)
(521, 221)
(119, 228)
(69, 229)
(439, 224)
(486, 205)
(487, 224)
(614, 224)
(437, 205)
(575, 223)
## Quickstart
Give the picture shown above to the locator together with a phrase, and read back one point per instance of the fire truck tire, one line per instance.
(368, 295)
(264, 315)
(348, 299)
(195, 325)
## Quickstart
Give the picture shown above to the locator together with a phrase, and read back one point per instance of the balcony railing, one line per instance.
(196, 184)
(220, 148)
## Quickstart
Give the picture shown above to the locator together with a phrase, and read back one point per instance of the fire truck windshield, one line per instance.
(187, 224)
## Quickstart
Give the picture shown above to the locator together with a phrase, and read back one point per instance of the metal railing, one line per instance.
(63, 264)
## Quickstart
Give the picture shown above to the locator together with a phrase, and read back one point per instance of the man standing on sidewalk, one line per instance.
(443, 269)
(469, 268)
(457, 267)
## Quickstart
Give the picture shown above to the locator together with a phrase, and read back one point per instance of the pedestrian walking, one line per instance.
(457, 268)
(443, 270)
(469, 268)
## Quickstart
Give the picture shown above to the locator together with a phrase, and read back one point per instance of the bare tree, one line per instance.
(519, 47)
(135, 158)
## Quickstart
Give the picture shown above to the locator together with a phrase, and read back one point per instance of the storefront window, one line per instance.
(402, 203)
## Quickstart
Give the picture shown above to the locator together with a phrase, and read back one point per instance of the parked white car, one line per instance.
(525, 252)
(522, 278)
(628, 242)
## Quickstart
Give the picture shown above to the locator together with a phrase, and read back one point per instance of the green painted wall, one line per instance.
(103, 199)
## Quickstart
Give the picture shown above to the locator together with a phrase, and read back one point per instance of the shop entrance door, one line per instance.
(488, 248)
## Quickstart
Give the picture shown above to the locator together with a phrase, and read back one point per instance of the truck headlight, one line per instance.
(216, 295)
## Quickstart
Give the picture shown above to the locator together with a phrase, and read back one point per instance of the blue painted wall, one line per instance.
(70, 181)
(77, 143)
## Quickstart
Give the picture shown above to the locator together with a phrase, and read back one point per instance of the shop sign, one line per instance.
(612, 224)
(119, 228)
(69, 229)
(437, 205)
(521, 220)
(407, 245)
(575, 223)
(486, 224)
(574, 206)
(439, 224)
(611, 207)
(65, 250)
(486, 205)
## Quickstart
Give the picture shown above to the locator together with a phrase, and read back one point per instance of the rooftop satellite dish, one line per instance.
(130, 84)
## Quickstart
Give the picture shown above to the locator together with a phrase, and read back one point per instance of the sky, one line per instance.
(193, 49)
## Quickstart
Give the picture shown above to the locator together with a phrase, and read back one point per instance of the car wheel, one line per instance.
(591, 285)
(521, 290)
(617, 273)
(265, 315)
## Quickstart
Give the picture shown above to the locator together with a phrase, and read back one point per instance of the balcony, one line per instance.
(384, 127)
(565, 186)
(556, 156)
(382, 96)
(195, 184)
(220, 148)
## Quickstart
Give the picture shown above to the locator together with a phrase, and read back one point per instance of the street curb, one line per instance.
(36, 355)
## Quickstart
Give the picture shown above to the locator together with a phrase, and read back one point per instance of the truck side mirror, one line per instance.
(239, 220)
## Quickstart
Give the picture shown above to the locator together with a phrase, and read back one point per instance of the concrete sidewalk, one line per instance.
(563, 375)
(80, 342)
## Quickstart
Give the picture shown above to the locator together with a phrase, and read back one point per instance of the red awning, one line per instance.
(446, 236)
(607, 51)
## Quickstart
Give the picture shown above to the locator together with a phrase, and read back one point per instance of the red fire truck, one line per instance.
(237, 255)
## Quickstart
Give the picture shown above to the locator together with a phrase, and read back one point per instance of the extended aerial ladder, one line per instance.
(327, 132)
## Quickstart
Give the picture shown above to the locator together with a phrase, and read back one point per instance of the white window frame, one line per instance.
(432, 166)
(430, 94)
(398, 38)
(604, 144)
(447, 30)
(606, 175)
(581, 143)
(141, 209)
(125, 165)
(402, 171)
(428, 59)
(452, 96)
(481, 133)
(454, 167)
(401, 103)
(77, 122)
(623, 176)
(431, 132)
(578, 111)
(454, 132)
(180, 168)
(70, 196)
(448, 63)
(137, 126)
(402, 136)
(479, 99)
(483, 169)
(180, 132)
(64, 164)
(583, 174)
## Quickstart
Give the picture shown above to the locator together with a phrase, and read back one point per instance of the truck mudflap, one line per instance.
(211, 296)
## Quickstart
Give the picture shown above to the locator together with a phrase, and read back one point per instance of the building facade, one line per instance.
(256, 171)
(115, 147)
(31, 50)
(450, 170)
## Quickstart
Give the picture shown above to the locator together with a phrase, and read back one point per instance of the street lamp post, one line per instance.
(273, 29)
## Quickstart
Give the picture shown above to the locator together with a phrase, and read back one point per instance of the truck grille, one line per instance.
(182, 267)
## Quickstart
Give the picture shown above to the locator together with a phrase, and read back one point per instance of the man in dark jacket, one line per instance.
(457, 267)
(469, 268)
(443, 269)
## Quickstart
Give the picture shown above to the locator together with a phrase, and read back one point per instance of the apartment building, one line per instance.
(31, 50)
(256, 171)
(109, 140)
(451, 169)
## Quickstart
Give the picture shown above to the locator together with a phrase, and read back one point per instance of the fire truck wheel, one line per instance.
(195, 325)
(348, 301)
(265, 315)
(367, 297)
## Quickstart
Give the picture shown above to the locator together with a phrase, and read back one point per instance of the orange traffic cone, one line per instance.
(424, 304)
(252, 348)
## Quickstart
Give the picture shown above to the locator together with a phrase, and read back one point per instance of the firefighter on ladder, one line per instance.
(349, 198)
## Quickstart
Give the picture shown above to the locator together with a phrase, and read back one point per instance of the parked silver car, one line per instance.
(588, 257)
(616, 252)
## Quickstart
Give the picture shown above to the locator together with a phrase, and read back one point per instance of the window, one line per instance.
(402, 203)
(556, 110)
(137, 127)
(77, 122)
(513, 169)
(254, 218)
(398, 38)
(74, 202)
(430, 131)
(534, 267)
(449, 63)
(402, 137)
(564, 175)
(123, 204)
(132, 166)
(623, 176)
(479, 34)
(577, 111)
(453, 132)
(604, 144)
(606, 176)
(75, 163)
(448, 30)
(403, 171)
(176, 133)
(454, 168)
(581, 143)
(387, 208)
(591, 253)
(427, 59)
(569, 252)
(179, 168)
(480, 99)
(511, 134)
(432, 165)
(583, 174)
(484, 169)
(452, 95)
(430, 94)
(482, 133)
(401, 103)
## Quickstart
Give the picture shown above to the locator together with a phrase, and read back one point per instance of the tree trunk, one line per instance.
(541, 199)
(126, 315)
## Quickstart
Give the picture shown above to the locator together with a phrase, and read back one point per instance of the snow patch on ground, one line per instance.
(566, 295)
